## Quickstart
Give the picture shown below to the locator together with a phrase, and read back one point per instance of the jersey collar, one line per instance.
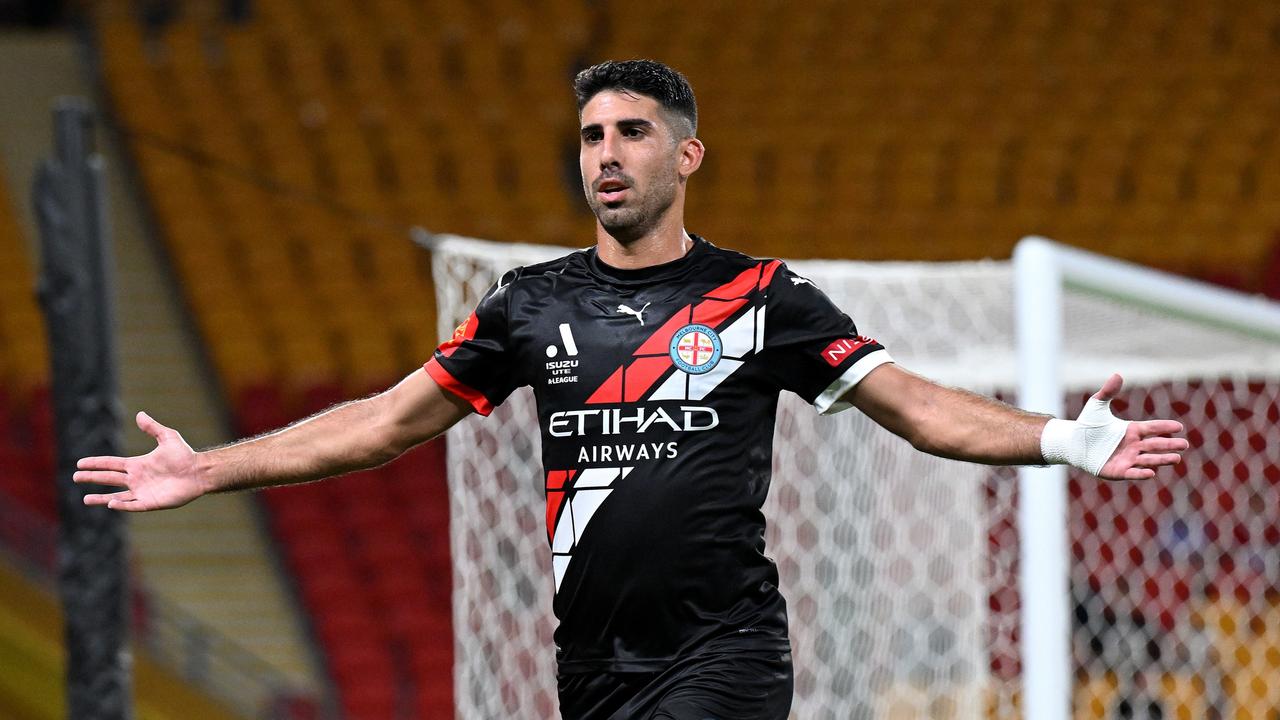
(665, 271)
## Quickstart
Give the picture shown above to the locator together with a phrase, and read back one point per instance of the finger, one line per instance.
(1137, 473)
(1110, 387)
(126, 505)
(104, 462)
(1163, 444)
(1157, 460)
(106, 498)
(1147, 428)
(148, 425)
(101, 477)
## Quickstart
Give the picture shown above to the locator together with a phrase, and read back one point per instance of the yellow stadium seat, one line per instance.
(1095, 699)
(858, 129)
(244, 362)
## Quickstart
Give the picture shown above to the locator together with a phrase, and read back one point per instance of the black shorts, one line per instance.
(714, 686)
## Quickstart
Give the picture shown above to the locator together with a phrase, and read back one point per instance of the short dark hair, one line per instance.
(642, 77)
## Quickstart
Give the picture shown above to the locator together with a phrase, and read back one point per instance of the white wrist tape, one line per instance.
(1086, 442)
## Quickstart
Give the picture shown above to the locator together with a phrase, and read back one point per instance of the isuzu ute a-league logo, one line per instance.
(563, 371)
(695, 349)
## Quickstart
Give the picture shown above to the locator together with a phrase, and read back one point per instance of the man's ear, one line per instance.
(691, 152)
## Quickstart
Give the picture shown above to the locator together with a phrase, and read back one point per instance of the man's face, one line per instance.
(630, 162)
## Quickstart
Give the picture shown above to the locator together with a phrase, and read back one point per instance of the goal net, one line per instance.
(901, 570)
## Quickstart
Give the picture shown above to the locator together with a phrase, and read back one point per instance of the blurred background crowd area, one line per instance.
(277, 153)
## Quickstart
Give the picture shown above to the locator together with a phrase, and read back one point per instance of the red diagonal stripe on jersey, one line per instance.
(465, 331)
(610, 391)
(556, 479)
(714, 312)
(767, 276)
(657, 342)
(642, 373)
(555, 497)
(738, 287)
(447, 381)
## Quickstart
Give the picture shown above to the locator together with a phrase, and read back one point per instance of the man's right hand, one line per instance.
(350, 436)
(163, 478)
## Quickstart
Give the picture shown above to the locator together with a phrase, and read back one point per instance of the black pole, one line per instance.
(75, 293)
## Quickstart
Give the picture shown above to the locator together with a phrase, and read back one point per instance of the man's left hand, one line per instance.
(1146, 445)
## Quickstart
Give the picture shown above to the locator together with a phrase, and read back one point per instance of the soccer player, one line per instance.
(656, 359)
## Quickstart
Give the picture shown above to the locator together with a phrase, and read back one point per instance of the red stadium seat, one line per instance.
(429, 661)
(389, 551)
(7, 415)
(395, 586)
(371, 512)
(322, 396)
(260, 408)
(355, 623)
(363, 657)
(1271, 271)
(366, 673)
(338, 585)
(415, 622)
(43, 438)
(320, 557)
(303, 516)
(435, 698)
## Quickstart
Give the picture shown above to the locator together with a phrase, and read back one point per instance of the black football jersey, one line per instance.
(656, 391)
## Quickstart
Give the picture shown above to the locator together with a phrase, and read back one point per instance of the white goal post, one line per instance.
(1043, 271)
(925, 588)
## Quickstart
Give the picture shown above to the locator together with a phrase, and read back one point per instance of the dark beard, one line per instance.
(626, 225)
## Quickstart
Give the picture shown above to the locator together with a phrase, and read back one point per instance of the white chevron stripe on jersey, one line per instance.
(701, 385)
(673, 388)
(596, 477)
(562, 541)
(738, 340)
(585, 503)
(560, 563)
(760, 329)
(589, 490)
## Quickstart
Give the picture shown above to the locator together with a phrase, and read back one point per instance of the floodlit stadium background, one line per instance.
(268, 157)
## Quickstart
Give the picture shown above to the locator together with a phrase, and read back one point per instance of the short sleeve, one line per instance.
(477, 362)
(814, 349)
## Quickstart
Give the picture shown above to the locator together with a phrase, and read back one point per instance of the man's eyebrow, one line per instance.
(634, 122)
(624, 124)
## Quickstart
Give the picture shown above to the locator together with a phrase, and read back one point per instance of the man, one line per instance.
(657, 360)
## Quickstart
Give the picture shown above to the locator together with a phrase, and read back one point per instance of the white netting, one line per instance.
(899, 568)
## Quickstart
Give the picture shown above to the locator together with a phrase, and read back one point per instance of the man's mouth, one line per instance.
(611, 190)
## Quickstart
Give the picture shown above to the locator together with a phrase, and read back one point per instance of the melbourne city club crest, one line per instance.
(695, 349)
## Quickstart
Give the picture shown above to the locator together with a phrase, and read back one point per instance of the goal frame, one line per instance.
(1043, 271)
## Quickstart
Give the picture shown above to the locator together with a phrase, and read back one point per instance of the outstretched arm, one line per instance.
(961, 425)
(352, 436)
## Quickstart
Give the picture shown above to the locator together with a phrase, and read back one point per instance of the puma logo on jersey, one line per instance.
(800, 281)
(638, 313)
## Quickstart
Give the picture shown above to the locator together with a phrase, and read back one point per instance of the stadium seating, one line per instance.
(885, 161)
(26, 416)
(371, 555)
(285, 157)
(33, 655)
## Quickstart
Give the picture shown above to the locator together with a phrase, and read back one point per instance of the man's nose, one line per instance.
(609, 156)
